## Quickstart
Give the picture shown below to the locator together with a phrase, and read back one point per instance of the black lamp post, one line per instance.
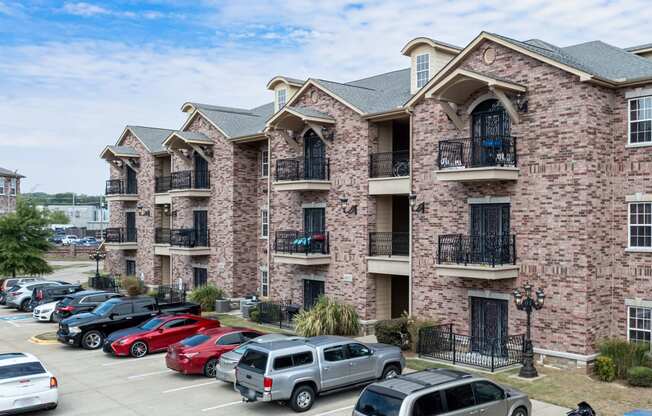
(525, 302)
(97, 256)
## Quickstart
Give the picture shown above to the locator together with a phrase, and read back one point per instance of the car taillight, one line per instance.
(39, 295)
(267, 384)
(66, 308)
(53, 383)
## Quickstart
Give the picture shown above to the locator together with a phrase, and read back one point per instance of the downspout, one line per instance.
(269, 215)
(411, 245)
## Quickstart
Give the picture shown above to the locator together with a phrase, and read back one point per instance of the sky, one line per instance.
(73, 74)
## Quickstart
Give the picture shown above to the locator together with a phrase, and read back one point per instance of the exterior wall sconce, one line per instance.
(166, 210)
(521, 103)
(416, 207)
(142, 211)
(328, 133)
(344, 202)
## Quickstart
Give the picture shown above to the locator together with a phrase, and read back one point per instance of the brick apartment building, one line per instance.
(9, 190)
(436, 189)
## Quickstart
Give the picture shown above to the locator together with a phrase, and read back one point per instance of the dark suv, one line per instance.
(47, 294)
(84, 301)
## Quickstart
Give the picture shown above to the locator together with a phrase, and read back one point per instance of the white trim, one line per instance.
(264, 221)
(279, 78)
(264, 161)
(416, 69)
(421, 40)
(581, 358)
(629, 229)
(634, 145)
(490, 200)
(638, 250)
(639, 303)
(629, 124)
(317, 277)
(314, 205)
(199, 266)
(265, 273)
(479, 100)
(629, 328)
(277, 93)
(488, 294)
(639, 197)
(638, 92)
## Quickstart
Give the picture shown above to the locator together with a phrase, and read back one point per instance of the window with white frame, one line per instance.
(264, 283)
(264, 223)
(639, 324)
(281, 98)
(13, 186)
(423, 69)
(264, 163)
(640, 225)
(640, 120)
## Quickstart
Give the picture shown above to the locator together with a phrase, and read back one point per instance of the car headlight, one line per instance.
(74, 330)
(123, 341)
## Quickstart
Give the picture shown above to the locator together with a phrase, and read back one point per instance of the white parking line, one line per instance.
(190, 387)
(330, 412)
(12, 323)
(147, 374)
(128, 360)
(221, 406)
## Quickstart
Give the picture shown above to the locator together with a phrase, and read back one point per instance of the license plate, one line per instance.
(28, 401)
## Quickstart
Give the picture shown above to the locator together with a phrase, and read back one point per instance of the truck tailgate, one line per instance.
(250, 373)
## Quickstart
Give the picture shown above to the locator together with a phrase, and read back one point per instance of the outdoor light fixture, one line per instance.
(142, 211)
(525, 302)
(166, 209)
(97, 255)
(328, 133)
(344, 202)
(521, 103)
(416, 207)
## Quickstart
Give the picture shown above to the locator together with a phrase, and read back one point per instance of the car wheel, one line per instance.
(138, 349)
(521, 411)
(302, 399)
(92, 340)
(24, 305)
(391, 371)
(210, 367)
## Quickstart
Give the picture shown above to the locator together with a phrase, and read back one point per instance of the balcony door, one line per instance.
(201, 172)
(314, 153)
(200, 224)
(490, 232)
(131, 181)
(490, 124)
(314, 220)
(312, 290)
(488, 325)
(130, 222)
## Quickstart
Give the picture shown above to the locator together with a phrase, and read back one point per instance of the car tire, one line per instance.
(210, 367)
(303, 397)
(520, 411)
(92, 340)
(24, 305)
(138, 349)
(390, 371)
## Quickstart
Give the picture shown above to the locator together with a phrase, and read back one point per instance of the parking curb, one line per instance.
(35, 340)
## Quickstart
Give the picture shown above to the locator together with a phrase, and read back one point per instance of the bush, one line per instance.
(604, 368)
(133, 285)
(327, 317)
(640, 376)
(414, 325)
(206, 296)
(389, 331)
(254, 315)
(625, 355)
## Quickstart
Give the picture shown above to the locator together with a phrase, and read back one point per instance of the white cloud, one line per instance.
(84, 9)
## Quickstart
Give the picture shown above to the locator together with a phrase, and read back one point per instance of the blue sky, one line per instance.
(73, 74)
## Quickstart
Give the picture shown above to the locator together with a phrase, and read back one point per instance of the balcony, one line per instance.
(478, 159)
(121, 238)
(300, 174)
(298, 247)
(389, 173)
(191, 183)
(485, 257)
(162, 238)
(120, 190)
(162, 185)
(190, 241)
(389, 253)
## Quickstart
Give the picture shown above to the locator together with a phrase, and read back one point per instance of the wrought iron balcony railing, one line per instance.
(477, 249)
(121, 187)
(300, 169)
(299, 242)
(476, 152)
(120, 235)
(389, 164)
(162, 235)
(163, 184)
(189, 237)
(389, 244)
(190, 179)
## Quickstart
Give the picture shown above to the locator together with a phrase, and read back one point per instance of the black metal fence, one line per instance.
(171, 294)
(477, 152)
(162, 236)
(103, 283)
(300, 242)
(389, 164)
(441, 343)
(476, 249)
(190, 179)
(189, 237)
(278, 313)
(389, 244)
(299, 169)
(163, 184)
(120, 235)
(119, 187)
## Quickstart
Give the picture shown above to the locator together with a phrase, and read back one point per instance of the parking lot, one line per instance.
(94, 383)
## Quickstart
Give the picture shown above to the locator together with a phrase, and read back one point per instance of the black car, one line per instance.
(80, 302)
(47, 294)
(89, 330)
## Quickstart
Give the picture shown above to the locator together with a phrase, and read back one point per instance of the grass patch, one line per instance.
(567, 388)
(232, 320)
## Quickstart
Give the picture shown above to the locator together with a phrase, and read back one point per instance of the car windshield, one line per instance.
(372, 403)
(151, 324)
(256, 360)
(104, 308)
(21, 370)
(242, 348)
(195, 340)
(65, 301)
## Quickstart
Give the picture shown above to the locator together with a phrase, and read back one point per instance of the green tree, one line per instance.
(24, 241)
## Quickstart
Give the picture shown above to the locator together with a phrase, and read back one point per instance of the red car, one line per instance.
(156, 334)
(199, 354)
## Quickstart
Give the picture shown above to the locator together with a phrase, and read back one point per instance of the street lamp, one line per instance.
(525, 302)
(97, 255)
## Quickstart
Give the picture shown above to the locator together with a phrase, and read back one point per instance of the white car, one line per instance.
(20, 296)
(69, 239)
(44, 312)
(25, 384)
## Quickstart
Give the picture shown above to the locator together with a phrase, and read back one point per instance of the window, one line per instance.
(255, 360)
(131, 268)
(264, 163)
(281, 363)
(199, 277)
(640, 120)
(264, 223)
(13, 186)
(230, 339)
(639, 326)
(281, 98)
(264, 283)
(294, 360)
(2, 185)
(358, 350)
(21, 370)
(122, 309)
(429, 405)
(335, 354)
(373, 402)
(423, 69)
(486, 392)
(250, 335)
(459, 397)
(640, 225)
(175, 323)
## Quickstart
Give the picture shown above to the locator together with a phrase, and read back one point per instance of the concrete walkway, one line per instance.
(547, 409)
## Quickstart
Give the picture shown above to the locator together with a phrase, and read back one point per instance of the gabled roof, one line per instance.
(647, 47)
(151, 137)
(10, 173)
(311, 113)
(436, 44)
(119, 151)
(193, 137)
(290, 81)
(235, 122)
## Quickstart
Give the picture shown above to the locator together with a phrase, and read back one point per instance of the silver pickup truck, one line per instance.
(298, 371)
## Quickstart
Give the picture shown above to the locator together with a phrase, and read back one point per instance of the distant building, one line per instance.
(9, 189)
(90, 217)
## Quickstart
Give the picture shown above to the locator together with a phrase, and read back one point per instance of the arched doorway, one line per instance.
(314, 153)
(491, 142)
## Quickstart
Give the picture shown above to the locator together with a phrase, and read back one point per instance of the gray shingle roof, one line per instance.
(639, 47)
(151, 137)
(194, 136)
(9, 173)
(309, 112)
(123, 150)
(295, 80)
(237, 122)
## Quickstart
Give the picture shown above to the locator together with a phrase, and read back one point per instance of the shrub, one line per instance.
(254, 315)
(206, 296)
(389, 331)
(414, 325)
(604, 368)
(133, 285)
(625, 355)
(327, 317)
(640, 376)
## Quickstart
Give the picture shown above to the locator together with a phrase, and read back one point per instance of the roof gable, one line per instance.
(233, 122)
(151, 137)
